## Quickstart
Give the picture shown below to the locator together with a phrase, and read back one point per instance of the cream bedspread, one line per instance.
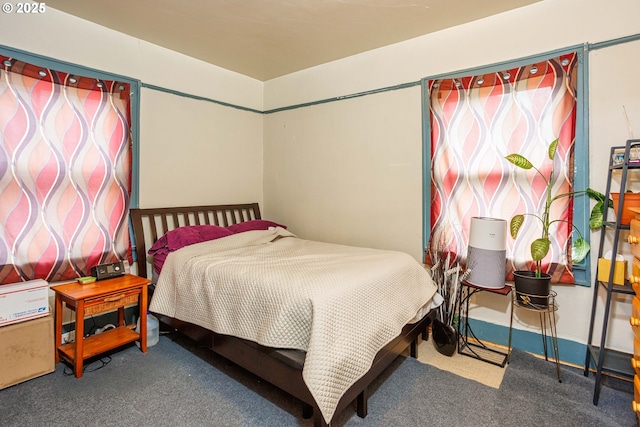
(338, 303)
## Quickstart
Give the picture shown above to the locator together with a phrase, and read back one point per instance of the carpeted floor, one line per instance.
(174, 384)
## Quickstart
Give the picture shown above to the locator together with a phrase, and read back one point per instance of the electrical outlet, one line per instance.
(68, 337)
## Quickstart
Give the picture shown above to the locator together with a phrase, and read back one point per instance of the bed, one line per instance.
(292, 353)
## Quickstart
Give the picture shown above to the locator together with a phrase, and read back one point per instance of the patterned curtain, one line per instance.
(476, 121)
(65, 173)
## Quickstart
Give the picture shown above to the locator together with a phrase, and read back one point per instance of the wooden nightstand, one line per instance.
(95, 298)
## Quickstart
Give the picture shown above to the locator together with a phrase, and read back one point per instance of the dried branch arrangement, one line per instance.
(447, 273)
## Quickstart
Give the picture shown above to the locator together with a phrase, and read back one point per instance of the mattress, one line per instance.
(339, 304)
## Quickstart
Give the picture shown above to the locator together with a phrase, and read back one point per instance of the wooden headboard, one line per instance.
(151, 224)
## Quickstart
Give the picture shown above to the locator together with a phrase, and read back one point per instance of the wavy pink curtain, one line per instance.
(475, 122)
(65, 173)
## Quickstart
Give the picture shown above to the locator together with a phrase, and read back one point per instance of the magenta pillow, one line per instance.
(254, 224)
(181, 237)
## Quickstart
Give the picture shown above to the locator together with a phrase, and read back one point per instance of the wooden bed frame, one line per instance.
(281, 368)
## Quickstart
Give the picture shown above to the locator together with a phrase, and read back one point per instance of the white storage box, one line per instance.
(23, 301)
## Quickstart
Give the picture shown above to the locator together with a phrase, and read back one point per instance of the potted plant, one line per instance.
(537, 283)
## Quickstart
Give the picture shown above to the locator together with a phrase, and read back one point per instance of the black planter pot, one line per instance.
(445, 337)
(529, 287)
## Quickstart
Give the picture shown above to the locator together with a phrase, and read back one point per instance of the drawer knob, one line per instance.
(633, 239)
(634, 321)
(635, 363)
(634, 279)
(635, 406)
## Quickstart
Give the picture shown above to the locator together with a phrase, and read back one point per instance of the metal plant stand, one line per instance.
(547, 320)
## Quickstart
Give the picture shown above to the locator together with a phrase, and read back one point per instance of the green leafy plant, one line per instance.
(597, 213)
(540, 247)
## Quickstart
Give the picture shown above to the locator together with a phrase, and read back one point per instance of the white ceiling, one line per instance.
(265, 39)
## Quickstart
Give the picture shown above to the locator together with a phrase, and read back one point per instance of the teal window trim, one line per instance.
(582, 271)
(581, 209)
(426, 166)
(46, 62)
(134, 201)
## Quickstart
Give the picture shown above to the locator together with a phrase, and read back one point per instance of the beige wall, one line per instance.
(349, 172)
(194, 152)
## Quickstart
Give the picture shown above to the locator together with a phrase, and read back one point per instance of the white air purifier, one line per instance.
(487, 252)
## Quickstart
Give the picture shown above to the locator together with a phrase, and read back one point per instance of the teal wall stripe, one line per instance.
(199, 98)
(279, 109)
(609, 43)
(90, 72)
(342, 98)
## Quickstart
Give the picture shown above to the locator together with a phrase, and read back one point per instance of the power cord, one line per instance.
(103, 361)
(92, 329)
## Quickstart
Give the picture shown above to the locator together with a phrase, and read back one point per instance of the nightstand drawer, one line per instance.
(111, 302)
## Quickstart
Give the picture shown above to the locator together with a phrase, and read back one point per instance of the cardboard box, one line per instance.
(26, 351)
(23, 301)
(619, 273)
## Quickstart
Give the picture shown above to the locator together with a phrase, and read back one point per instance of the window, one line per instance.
(478, 118)
(65, 171)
